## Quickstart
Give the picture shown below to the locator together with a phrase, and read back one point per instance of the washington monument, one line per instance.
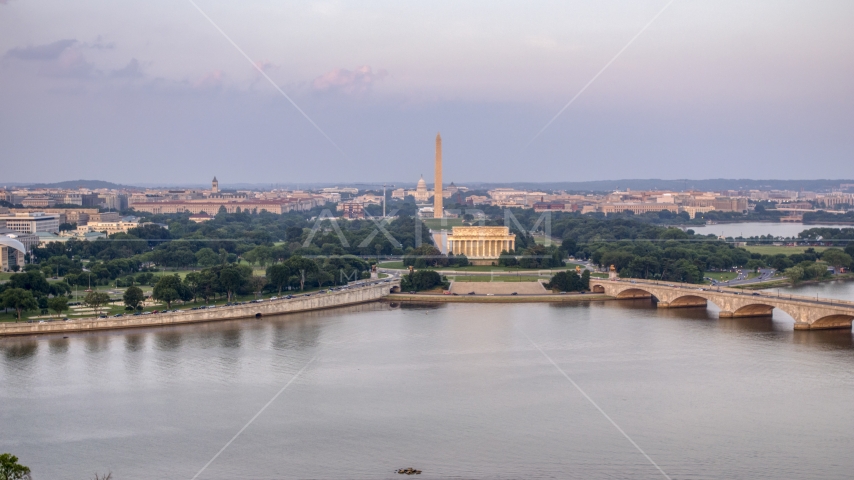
(437, 188)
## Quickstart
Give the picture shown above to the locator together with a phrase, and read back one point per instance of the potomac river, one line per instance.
(455, 390)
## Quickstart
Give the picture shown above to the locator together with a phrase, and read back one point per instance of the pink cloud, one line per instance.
(210, 80)
(264, 65)
(357, 81)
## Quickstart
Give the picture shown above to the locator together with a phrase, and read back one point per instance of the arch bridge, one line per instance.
(810, 313)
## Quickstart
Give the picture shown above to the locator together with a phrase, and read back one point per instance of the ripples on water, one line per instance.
(456, 390)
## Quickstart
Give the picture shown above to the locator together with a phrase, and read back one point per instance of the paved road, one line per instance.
(765, 275)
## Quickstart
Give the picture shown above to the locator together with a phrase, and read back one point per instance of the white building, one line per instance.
(31, 222)
(120, 226)
(13, 246)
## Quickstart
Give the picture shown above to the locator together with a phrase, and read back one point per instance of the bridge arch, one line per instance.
(833, 321)
(634, 293)
(690, 300)
(597, 289)
(755, 310)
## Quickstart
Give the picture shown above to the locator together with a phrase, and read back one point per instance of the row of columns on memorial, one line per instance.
(480, 248)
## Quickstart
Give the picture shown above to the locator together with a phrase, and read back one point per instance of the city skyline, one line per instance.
(705, 89)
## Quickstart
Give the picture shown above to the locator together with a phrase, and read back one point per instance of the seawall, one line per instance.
(316, 301)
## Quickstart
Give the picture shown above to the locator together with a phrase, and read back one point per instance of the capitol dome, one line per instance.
(421, 193)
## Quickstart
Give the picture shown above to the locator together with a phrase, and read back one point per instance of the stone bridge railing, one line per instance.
(354, 294)
(808, 312)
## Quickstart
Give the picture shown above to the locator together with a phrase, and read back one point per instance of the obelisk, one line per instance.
(438, 211)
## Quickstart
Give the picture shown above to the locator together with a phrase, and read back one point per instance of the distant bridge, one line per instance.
(810, 313)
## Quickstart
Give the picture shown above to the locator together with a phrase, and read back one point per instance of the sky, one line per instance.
(159, 91)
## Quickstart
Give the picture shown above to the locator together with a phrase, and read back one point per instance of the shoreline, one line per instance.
(345, 298)
(542, 298)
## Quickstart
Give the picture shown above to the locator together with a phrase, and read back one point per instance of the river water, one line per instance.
(756, 229)
(843, 290)
(456, 390)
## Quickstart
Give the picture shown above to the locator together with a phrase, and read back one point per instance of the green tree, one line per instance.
(505, 259)
(836, 258)
(795, 274)
(169, 289)
(207, 257)
(96, 300)
(278, 275)
(133, 298)
(10, 469)
(566, 282)
(585, 279)
(257, 283)
(193, 283)
(261, 255)
(421, 280)
(234, 277)
(58, 304)
(754, 264)
(322, 277)
(207, 284)
(302, 267)
(32, 280)
(20, 300)
(849, 249)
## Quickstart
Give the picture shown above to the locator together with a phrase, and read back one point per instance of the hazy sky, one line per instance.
(152, 92)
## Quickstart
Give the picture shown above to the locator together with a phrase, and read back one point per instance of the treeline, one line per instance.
(429, 256)
(639, 249)
(569, 281)
(31, 291)
(827, 217)
(230, 280)
(422, 280)
(260, 239)
(836, 236)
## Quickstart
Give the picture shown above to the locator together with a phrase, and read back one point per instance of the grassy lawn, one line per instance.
(499, 278)
(775, 249)
(437, 223)
(397, 265)
(721, 276)
(541, 240)
(478, 268)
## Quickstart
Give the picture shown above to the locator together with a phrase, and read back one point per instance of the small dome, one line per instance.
(422, 183)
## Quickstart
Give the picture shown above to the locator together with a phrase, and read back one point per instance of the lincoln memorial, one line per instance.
(481, 242)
